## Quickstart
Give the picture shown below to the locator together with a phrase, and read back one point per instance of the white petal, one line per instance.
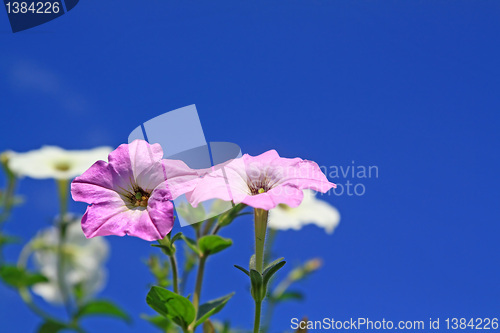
(55, 162)
(310, 211)
(84, 260)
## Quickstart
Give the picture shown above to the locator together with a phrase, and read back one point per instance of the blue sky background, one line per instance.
(408, 86)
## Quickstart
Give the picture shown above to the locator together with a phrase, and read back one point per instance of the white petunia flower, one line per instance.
(310, 211)
(83, 260)
(55, 162)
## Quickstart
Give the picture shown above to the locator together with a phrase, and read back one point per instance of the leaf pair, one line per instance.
(180, 310)
(260, 281)
(167, 244)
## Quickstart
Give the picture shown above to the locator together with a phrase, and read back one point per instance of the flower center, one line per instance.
(259, 188)
(141, 199)
(62, 166)
(137, 197)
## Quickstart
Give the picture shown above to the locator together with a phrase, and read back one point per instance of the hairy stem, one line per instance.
(256, 323)
(260, 237)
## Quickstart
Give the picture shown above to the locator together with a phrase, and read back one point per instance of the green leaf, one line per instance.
(271, 270)
(5, 239)
(176, 237)
(171, 305)
(258, 288)
(212, 244)
(51, 327)
(168, 250)
(273, 263)
(289, 295)
(212, 307)
(103, 308)
(161, 322)
(18, 277)
(229, 216)
(191, 244)
(242, 269)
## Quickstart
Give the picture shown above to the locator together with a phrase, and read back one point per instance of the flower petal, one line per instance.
(108, 218)
(307, 175)
(96, 185)
(284, 194)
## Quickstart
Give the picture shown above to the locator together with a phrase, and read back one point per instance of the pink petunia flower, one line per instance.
(132, 193)
(262, 181)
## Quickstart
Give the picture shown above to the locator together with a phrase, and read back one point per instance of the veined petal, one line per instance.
(285, 194)
(96, 185)
(143, 155)
(226, 183)
(181, 179)
(307, 175)
(109, 218)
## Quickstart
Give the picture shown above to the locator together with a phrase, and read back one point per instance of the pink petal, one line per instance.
(181, 179)
(307, 175)
(209, 187)
(288, 195)
(106, 218)
(95, 185)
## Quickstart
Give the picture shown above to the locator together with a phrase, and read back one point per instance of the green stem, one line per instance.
(173, 263)
(199, 282)
(62, 186)
(216, 229)
(256, 323)
(63, 190)
(25, 294)
(197, 289)
(207, 226)
(260, 237)
(8, 199)
(271, 236)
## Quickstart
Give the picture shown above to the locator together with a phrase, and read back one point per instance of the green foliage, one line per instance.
(18, 278)
(288, 296)
(171, 305)
(6, 239)
(228, 217)
(103, 308)
(160, 269)
(191, 243)
(212, 307)
(51, 327)
(259, 282)
(212, 244)
(160, 322)
(167, 244)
